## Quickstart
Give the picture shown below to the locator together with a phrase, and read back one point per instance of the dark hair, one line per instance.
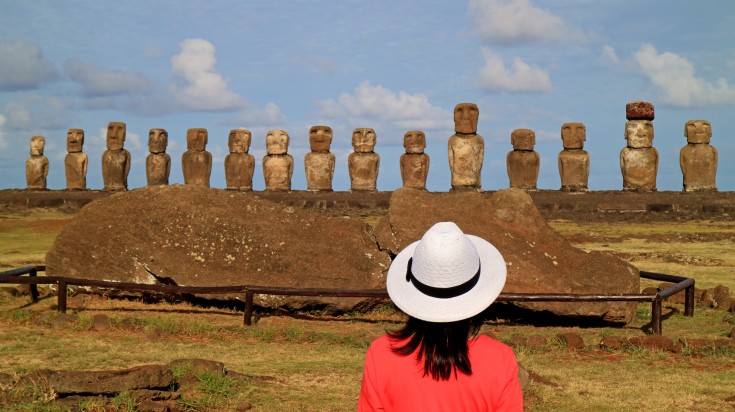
(442, 346)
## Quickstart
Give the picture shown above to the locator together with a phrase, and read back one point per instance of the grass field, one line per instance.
(314, 363)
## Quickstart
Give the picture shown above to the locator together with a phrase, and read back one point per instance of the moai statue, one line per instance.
(363, 164)
(639, 160)
(698, 159)
(574, 161)
(277, 163)
(158, 162)
(523, 162)
(239, 164)
(196, 162)
(414, 163)
(319, 163)
(466, 149)
(75, 162)
(115, 160)
(37, 165)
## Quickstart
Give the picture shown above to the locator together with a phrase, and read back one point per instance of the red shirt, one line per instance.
(392, 382)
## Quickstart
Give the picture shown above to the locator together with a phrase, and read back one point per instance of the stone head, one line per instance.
(414, 141)
(276, 142)
(74, 140)
(115, 135)
(573, 135)
(38, 143)
(196, 139)
(523, 139)
(698, 131)
(157, 140)
(320, 138)
(363, 140)
(639, 133)
(239, 141)
(465, 118)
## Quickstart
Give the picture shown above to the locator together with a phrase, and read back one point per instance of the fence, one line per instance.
(680, 284)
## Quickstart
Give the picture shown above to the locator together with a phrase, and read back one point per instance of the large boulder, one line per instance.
(539, 260)
(196, 236)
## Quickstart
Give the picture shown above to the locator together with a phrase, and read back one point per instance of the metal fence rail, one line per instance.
(680, 283)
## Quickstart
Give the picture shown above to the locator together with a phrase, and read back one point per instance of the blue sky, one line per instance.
(390, 65)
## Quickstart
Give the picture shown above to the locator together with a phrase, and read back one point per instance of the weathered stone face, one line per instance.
(38, 143)
(465, 118)
(639, 110)
(363, 140)
(698, 131)
(276, 142)
(639, 168)
(523, 168)
(115, 135)
(74, 140)
(197, 139)
(196, 236)
(466, 155)
(573, 135)
(539, 260)
(523, 139)
(239, 141)
(414, 141)
(157, 140)
(320, 138)
(639, 133)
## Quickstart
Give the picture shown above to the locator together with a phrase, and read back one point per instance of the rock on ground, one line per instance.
(197, 236)
(539, 260)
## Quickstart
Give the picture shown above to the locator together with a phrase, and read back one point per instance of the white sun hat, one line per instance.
(446, 276)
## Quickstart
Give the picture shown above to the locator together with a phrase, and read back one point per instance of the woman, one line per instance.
(437, 361)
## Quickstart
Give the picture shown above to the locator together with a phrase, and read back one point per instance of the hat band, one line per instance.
(441, 293)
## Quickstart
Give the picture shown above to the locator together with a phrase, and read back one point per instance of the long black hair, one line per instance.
(441, 346)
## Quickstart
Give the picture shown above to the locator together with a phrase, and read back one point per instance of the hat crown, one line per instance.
(445, 257)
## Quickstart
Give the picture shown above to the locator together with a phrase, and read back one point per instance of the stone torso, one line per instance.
(699, 166)
(574, 169)
(523, 168)
(639, 168)
(319, 169)
(363, 169)
(36, 172)
(239, 169)
(75, 165)
(466, 155)
(115, 168)
(414, 170)
(197, 167)
(157, 168)
(277, 171)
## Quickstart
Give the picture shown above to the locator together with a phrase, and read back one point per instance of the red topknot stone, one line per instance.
(639, 111)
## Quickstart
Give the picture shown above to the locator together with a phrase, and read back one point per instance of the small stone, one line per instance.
(572, 340)
(101, 322)
(652, 342)
(612, 342)
(244, 406)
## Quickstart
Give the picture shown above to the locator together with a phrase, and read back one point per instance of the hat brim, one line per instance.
(410, 300)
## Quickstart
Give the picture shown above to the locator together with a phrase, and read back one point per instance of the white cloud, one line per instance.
(609, 54)
(22, 66)
(36, 112)
(270, 115)
(521, 77)
(376, 103)
(199, 86)
(3, 135)
(512, 22)
(96, 81)
(674, 79)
